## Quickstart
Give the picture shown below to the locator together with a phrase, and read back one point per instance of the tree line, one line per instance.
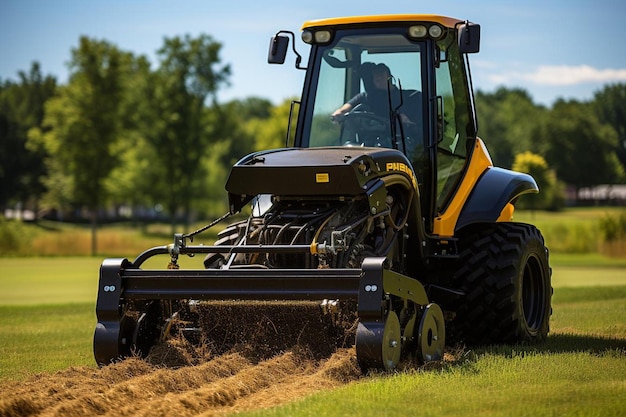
(120, 133)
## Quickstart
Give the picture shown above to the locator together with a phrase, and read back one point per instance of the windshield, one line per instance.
(368, 92)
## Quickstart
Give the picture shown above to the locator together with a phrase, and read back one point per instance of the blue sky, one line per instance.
(552, 49)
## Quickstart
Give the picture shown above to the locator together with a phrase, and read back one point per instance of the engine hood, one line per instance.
(313, 172)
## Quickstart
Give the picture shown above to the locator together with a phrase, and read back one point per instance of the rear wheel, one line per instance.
(503, 270)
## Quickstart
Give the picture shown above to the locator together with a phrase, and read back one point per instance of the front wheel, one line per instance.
(504, 271)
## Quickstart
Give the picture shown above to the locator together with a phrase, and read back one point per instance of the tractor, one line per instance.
(382, 224)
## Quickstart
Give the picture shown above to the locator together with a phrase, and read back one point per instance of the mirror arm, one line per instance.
(293, 47)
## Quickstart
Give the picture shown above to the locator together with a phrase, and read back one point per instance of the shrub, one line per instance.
(613, 227)
(613, 231)
(550, 195)
(15, 237)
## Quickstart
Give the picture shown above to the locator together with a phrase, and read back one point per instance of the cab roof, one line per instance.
(390, 18)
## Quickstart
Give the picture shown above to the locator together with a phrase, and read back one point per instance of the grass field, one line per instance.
(579, 371)
(47, 318)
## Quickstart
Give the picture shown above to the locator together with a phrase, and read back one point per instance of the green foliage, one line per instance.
(15, 237)
(550, 195)
(610, 106)
(570, 238)
(613, 227)
(120, 133)
(189, 73)
(576, 230)
(83, 123)
(271, 133)
(507, 119)
(22, 109)
(578, 146)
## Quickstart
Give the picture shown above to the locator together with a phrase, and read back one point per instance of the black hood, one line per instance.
(311, 172)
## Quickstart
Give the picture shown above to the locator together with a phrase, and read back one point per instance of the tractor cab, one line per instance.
(398, 82)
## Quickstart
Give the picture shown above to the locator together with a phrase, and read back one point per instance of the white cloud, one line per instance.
(567, 75)
(561, 75)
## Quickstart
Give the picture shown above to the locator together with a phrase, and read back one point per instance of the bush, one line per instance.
(613, 227)
(15, 237)
(570, 238)
(613, 230)
(551, 195)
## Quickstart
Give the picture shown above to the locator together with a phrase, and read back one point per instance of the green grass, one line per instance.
(45, 338)
(579, 371)
(585, 260)
(572, 231)
(47, 318)
(574, 215)
(47, 314)
(59, 280)
(48, 238)
(490, 384)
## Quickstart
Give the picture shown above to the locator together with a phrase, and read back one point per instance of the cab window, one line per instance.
(452, 146)
(346, 72)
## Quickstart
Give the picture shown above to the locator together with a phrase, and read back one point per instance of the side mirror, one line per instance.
(469, 38)
(278, 49)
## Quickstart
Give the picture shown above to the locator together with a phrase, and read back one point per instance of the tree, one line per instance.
(189, 74)
(610, 106)
(550, 195)
(132, 182)
(506, 121)
(84, 122)
(231, 119)
(271, 132)
(578, 146)
(21, 109)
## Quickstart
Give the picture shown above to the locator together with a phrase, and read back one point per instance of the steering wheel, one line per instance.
(360, 119)
(366, 121)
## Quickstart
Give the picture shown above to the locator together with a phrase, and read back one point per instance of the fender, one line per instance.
(495, 189)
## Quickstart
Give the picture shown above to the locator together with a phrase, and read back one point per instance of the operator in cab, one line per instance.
(375, 98)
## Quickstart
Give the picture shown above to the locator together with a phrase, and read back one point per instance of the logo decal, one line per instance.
(402, 167)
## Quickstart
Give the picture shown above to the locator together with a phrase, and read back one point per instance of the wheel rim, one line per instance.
(431, 335)
(533, 294)
(391, 341)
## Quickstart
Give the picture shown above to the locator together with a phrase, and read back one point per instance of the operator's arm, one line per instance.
(359, 98)
(343, 109)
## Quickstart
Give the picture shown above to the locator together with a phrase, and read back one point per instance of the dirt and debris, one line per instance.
(238, 370)
(222, 385)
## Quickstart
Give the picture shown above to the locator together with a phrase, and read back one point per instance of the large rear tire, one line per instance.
(504, 271)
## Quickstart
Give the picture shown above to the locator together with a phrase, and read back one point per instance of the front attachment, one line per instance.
(136, 307)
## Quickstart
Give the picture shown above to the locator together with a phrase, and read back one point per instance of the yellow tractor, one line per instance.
(382, 223)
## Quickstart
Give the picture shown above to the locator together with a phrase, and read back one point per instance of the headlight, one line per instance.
(418, 31)
(319, 36)
(435, 31)
(322, 36)
(307, 36)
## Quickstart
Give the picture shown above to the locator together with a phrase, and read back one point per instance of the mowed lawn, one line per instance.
(47, 312)
(47, 318)
(62, 280)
